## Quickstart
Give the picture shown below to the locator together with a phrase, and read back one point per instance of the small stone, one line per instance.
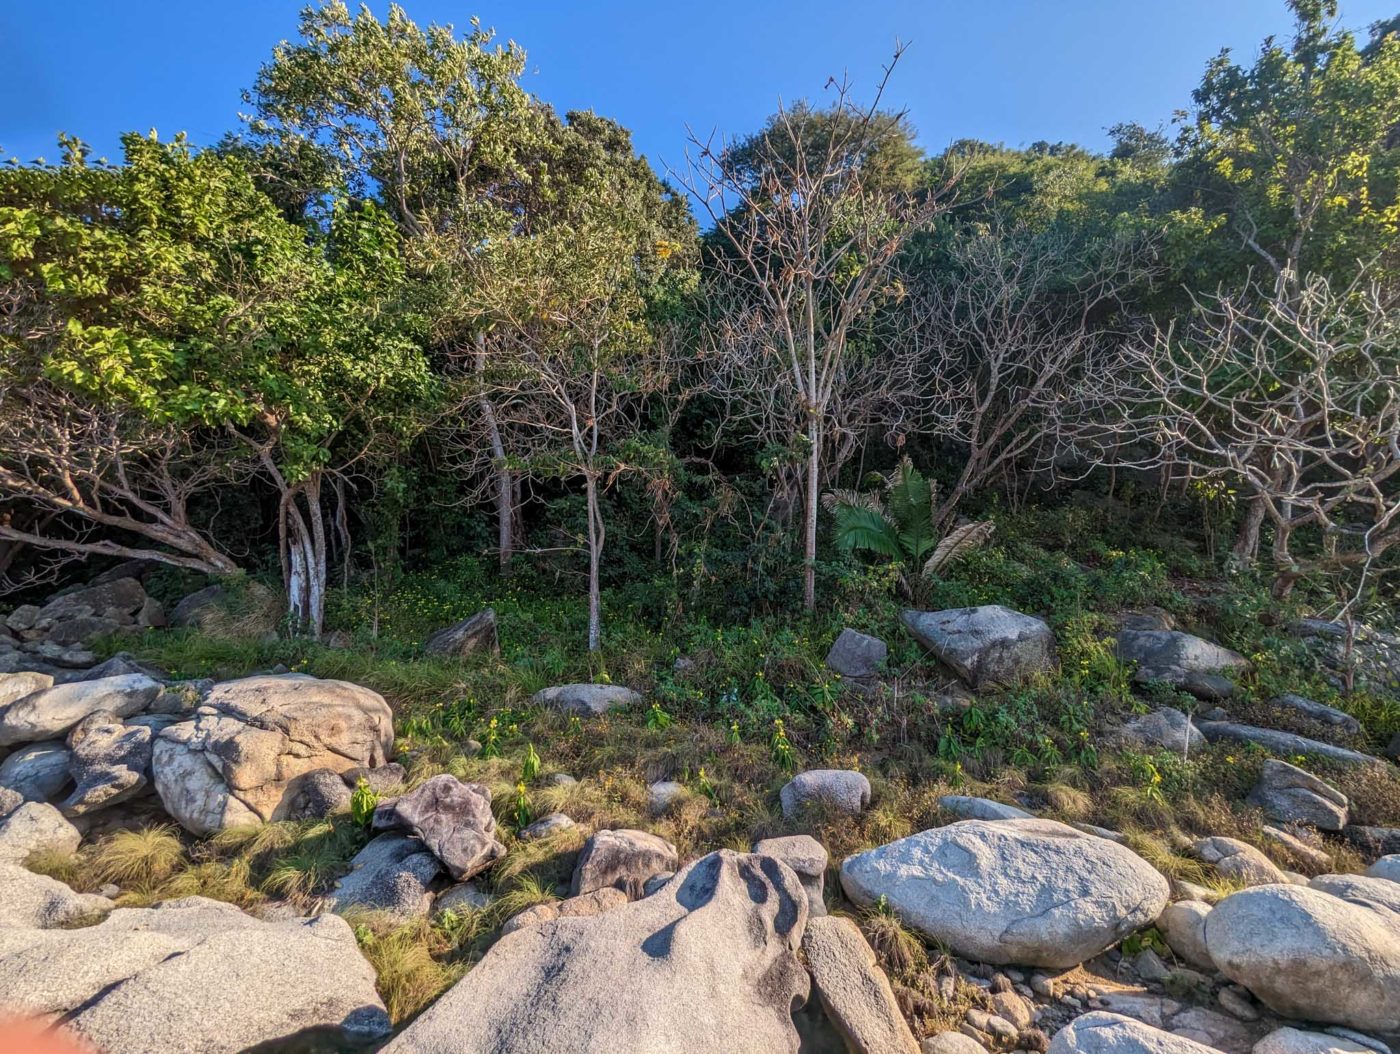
(586, 904)
(1150, 967)
(547, 827)
(662, 795)
(1011, 1007)
(462, 898)
(951, 1043)
(1236, 1002)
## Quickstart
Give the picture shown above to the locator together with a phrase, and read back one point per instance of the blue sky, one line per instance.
(1012, 71)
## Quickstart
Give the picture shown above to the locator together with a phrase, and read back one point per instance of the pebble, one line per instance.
(1237, 1004)
(1042, 985)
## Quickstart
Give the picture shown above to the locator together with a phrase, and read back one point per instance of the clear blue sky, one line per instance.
(1012, 71)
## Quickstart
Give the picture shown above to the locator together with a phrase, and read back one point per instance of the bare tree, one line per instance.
(1291, 397)
(811, 238)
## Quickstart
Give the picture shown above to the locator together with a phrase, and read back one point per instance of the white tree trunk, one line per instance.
(595, 556)
(809, 552)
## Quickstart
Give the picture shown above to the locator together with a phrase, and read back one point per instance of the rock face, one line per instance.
(39, 771)
(1104, 1033)
(1284, 742)
(857, 655)
(1163, 729)
(453, 820)
(808, 859)
(623, 859)
(53, 711)
(110, 761)
(840, 790)
(391, 874)
(1238, 860)
(1177, 658)
(36, 827)
(966, 808)
(988, 645)
(710, 964)
(586, 700)
(239, 760)
(1307, 954)
(472, 636)
(196, 975)
(1291, 795)
(854, 992)
(1030, 892)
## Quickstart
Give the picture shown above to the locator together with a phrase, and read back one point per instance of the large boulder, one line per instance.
(1387, 867)
(1030, 892)
(1308, 954)
(194, 608)
(586, 700)
(988, 645)
(111, 762)
(36, 827)
(17, 685)
(393, 874)
(708, 963)
(239, 760)
(1289, 794)
(854, 992)
(453, 820)
(195, 975)
(624, 859)
(471, 636)
(1163, 729)
(857, 655)
(839, 790)
(1103, 1033)
(1179, 659)
(51, 712)
(39, 771)
(118, 601)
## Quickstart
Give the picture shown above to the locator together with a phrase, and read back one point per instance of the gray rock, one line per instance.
(854, 992)
(1315, 711)
(241, 758)
(988, 645)
(1238, 860)
(462, 898)
(39, 771)
(857, 655)
(17, 685)
(1352, 1035)
(10, 800)
(808, 859)
(472, 636)
(23, 617)
(193, 609)
(1150, 967)
(1307, 954)
(1183, 925)
(384, 779)
(654, 884)
(1377, 841)
(1314, 854)
(392, 874)
(151, 615)
(83, 630)
(712, 959)
(624, 859)
(951, 1043)
(34, 902)
(662, 795)
(585, 905)
(1179, 659)
(838, 790)
(117, 597)
(68, 656)
(51, 712)
(1289, 794)
(110, 761)
(1297, 1041)
(321, 793)
(586, 700)
(1365, 891)
(547, 827)
(1029, 892)
(198, 975)
(1163, 729)
(36, 827)
(453, 819)
(967, 808)
(1283, 742)
(1387, 867)
(1104, 1033)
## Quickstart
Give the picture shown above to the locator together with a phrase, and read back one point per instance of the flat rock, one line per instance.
(1104, 1033)
(1284, 742)
(586, 700)
(121, 596)
(1315, 711)
(808, 859)
(110, 761)
(453, 820)
(968, 808)
(707, 964)
(1164, 729)
(1028, 892)
(839, 790)
(857, 655)
(854, 992)
(34, 902)
(1179, 659)
(624, 859)
(240, 759)
(547, 827)
(1298, 1041)
(51, 712)
(39, 771)
(472, 636)
(1238, 860)
(36, 827)
(196, 975)
(1306, 849)
(1289, 794)
(392, 874)
(988, 645)
(951, 1043)
(1308, 954)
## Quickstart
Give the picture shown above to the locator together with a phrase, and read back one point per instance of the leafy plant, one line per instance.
(524, 813)
(363, 803)
(658, 719)
(780, 747)
(530, 766)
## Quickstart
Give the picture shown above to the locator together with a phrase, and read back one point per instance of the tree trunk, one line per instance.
(303, 537)
(1245, 552)
(809, 553)
(505, 482)
(595, 556)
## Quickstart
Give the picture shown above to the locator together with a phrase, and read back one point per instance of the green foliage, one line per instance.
(363, 802)
(530, 766)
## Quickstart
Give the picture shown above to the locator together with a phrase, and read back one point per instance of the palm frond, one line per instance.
(957, 543)
(834, 499)
(910, 502)
(866, 529)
